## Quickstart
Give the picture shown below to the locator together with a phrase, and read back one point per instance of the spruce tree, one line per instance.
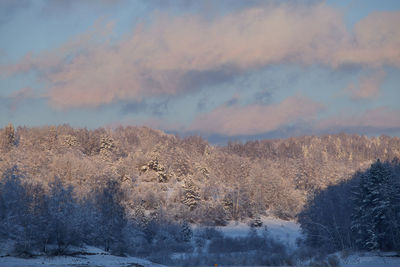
(360, 215)
(372, 206)
(8, 138)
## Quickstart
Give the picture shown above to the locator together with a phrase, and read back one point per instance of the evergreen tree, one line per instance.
(359, 223)
(191, 195)
(372, 207)
(186, 232)
(8, 139)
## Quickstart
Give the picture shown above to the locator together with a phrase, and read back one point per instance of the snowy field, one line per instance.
(372, 260)
(285, 231)
(95, 260)
(368, 260)
(98, 259)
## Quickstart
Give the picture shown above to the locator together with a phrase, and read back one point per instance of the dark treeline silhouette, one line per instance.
(51, 222)
(362, 213)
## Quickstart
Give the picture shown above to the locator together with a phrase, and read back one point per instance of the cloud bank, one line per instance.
(172, 55)
(234, 120)
(379, 118)
(368, 86)
(297, 113)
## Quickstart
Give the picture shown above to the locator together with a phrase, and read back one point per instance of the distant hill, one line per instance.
(187, 178)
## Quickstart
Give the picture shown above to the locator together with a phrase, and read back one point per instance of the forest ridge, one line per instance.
(187, 177)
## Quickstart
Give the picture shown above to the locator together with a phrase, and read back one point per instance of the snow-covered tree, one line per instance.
(372, 207)
(8, 139)
(191, 194)
(186, 232)
(22, 211)
(13, 205)
(63, 220)
(112, 217)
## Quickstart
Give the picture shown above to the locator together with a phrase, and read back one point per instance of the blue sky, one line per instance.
(224, 69)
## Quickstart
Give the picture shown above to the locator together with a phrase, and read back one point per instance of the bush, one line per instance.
(333, 261)
(209, 233)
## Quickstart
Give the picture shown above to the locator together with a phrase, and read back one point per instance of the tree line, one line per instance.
(34, 222)
(362, 213)
(192, 179)
(39, 222)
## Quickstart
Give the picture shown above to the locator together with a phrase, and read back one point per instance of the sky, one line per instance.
(224, 70)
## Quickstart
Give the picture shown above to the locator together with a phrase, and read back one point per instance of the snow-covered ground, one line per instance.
(285, 231)
(357, 259)
(371, 260)
(289, 231)
(99, 259)
(104, 259)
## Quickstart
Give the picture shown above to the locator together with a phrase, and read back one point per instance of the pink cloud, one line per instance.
(375, 42)
(381, 117)
(18, 96)
(236, 120)
(154, 59)
(256, 119)
(154, 123)
(368, 86)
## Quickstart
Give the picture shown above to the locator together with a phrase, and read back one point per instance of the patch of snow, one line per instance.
(6, 247)
(99, 259)
(285, 231)
(372, 259)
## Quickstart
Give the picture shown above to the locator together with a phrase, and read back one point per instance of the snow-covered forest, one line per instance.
(143, 193)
